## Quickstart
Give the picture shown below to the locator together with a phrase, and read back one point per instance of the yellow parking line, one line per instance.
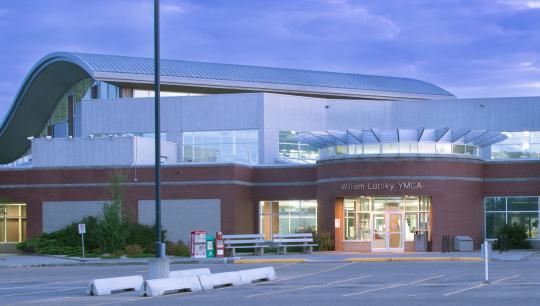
(402, 259)
(269, 260)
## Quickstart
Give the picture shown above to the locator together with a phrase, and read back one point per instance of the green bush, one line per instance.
(517, 237)
(133, 250)
(178, 249)
(325, 241)
(110, 233)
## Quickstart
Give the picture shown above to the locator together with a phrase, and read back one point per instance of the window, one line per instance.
(291, 148)
(240, 146)
(287, 217)
(525, 144)
(401, 148)
(523, 211)
(12, 223)
(357, 214)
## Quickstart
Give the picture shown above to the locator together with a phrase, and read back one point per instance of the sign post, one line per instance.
(82, 231)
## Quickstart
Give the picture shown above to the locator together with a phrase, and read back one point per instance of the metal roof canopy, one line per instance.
(480, 138)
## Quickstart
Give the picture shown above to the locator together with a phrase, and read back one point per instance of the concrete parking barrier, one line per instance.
(162, 286)
(218, 280)
(104, 286)
(250, 276)
(190, 272)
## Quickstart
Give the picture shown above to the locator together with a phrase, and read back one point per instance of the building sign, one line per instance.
(337, 223)
(403, 185)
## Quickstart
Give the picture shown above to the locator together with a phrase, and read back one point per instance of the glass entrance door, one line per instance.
(387, 232)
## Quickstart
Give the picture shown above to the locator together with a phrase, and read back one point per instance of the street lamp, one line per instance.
(158, 267)
(160, 249)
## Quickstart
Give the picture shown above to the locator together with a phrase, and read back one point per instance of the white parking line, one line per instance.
(480, 285)
(45, 291)
(314, 273)
(394, 286)
(426, 279)
(308, 287)
(285, 265)
(44, 284)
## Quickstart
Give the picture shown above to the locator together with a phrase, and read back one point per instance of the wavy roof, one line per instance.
(48, 80)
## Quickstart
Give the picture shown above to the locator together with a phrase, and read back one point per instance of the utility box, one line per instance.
(210, 249)
(420, 241)
(463, 244)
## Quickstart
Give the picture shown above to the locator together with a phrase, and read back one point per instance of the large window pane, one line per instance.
(495, 204)
(528, 220)
(364, 226)
(411, 225)
(12, 211)
(291, 147)
(2, 230)
(494, 224)
(413, 204)
(524, 144)
(221, 146)
(523, 204)
(350, 223)
(12, 230)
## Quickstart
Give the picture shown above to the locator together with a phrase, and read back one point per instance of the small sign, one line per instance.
(82, 228)
(337, 223)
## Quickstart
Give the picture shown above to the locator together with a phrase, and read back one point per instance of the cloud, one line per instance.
(472, 48)
(521, 4)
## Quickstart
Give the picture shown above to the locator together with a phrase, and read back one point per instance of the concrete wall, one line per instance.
(58, 214)
(62, 152)
(179, 114)
(180, 217)
(144, 151)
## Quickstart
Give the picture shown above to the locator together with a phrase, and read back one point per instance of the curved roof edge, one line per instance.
(36, 98)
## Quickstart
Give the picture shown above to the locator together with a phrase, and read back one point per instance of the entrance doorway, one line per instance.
(381, 223)
(387, 232)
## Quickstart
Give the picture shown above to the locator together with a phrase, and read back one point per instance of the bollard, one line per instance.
(486, 260)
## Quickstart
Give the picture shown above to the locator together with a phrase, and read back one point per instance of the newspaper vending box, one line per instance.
(198, 244)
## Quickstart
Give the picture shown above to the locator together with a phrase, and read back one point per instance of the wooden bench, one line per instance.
(250, 241)
(283, 241)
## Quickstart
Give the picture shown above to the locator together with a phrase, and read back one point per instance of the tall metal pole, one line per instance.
(157, 130)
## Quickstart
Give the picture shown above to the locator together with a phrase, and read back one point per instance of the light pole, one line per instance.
(158, 267)
(157, 135)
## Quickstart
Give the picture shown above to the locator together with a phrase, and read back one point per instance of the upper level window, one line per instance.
(240, 146)
(291, 148)
(524, 144)
(400, 148)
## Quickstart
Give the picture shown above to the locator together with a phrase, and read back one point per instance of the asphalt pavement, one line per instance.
(309, 283)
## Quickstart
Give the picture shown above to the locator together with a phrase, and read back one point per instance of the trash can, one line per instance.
(420, 241)
(463, 244)
(210, 249)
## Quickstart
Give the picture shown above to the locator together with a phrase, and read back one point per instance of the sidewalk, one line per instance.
(15, 261)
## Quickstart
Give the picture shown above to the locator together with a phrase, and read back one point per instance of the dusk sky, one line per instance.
(483, 48)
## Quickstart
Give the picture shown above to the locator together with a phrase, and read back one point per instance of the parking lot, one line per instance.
(317, 283)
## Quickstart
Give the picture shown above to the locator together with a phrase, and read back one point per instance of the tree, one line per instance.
(112, 229)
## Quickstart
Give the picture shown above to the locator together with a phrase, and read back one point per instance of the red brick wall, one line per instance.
(456, 186)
